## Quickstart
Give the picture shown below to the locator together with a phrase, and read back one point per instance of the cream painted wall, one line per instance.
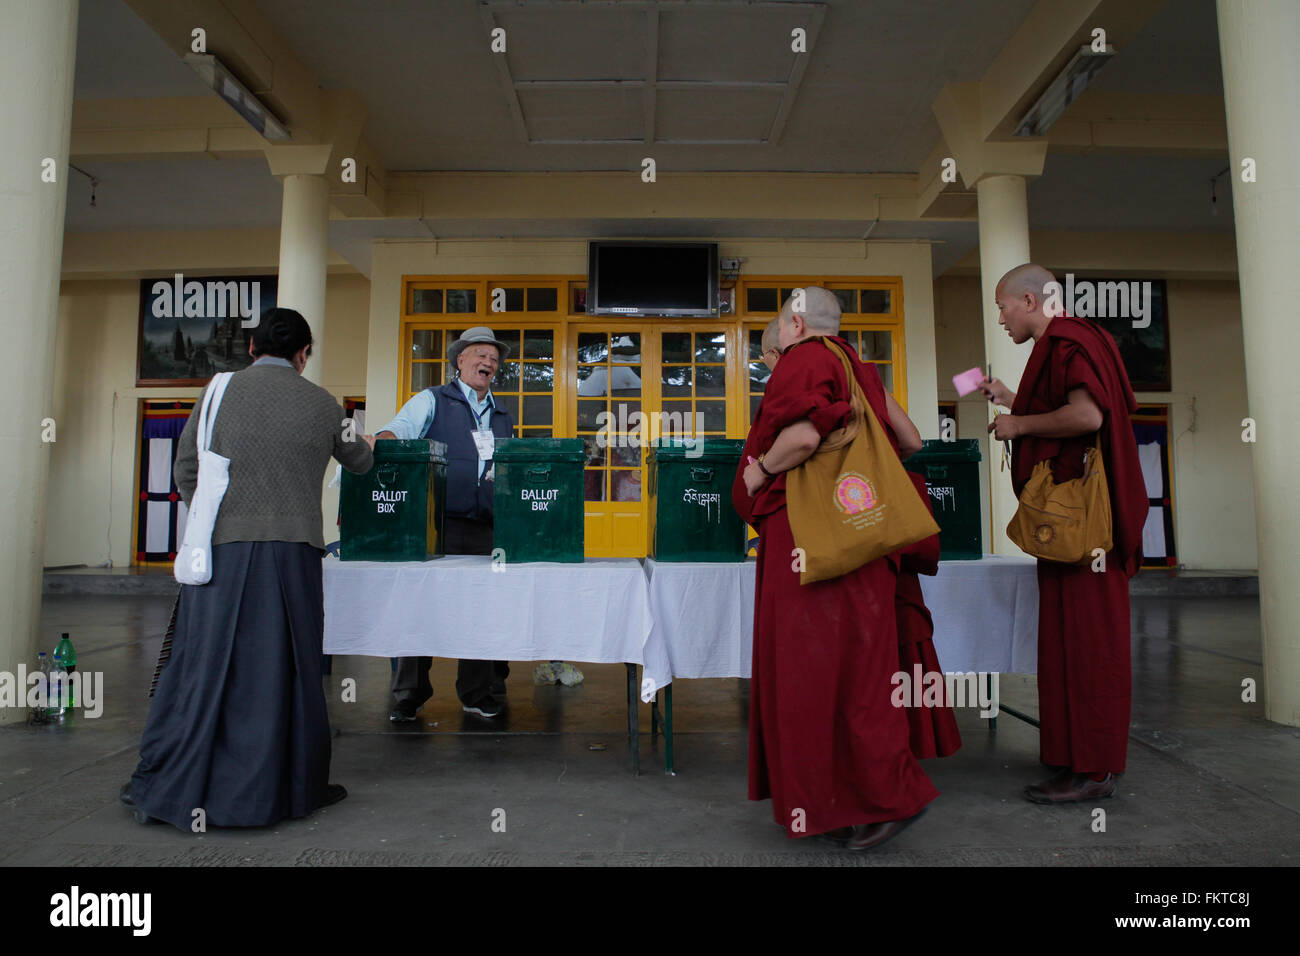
(1214, 517)
(89, 513)
(394, 259)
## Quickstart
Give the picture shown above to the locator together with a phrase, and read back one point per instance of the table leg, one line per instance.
(633, 742)
(668, 731)
(654, 721)
(988, 685)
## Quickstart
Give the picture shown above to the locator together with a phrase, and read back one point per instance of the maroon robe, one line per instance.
(825, 742)
(932, 731)
(1084, 669)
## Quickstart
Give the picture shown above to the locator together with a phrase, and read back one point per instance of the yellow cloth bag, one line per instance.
(1064, 522)
(851, 502)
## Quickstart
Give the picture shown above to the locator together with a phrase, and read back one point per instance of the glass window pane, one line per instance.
(593, 380)
(587, 412)
(710, 380)
(625, 380)
(677, 421)
(761, 300)
(579, 304)
(620, 416)
(785, 294)
(756, 345)
(593, 346)
(875, 301)
(625, 348)
(758, 376)
(677, 347)
(539, 344)
(462, 300)
(536, 433)
(424, 344)
(876, 346)
(714, 415)
(506, 300)
(537, 410)
(753, 406)
(424, 301)
(886, 376)
(626, 485)
(539, 377)
(594, 480)
(508, 403)
(596, 454)
(543, 300)
(424, 375)
(626, 453)
(676, 380)
(507, 379)
(710, 346)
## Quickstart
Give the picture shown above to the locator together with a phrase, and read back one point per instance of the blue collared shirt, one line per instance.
(415, 417)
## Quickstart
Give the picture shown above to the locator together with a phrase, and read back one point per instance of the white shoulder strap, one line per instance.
(208, 412)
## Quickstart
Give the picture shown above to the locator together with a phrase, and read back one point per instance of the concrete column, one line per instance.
(1261, 73)
(38, 44)
(304, 248)
(1004, 244)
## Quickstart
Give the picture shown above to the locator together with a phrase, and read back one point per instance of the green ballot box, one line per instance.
(691, 517)
(394, 512)
(952, 470)
(538, 510)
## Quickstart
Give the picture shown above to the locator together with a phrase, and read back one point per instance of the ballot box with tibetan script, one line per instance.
(952, 471)
(394, 512)
(691, 515)
(538, 509)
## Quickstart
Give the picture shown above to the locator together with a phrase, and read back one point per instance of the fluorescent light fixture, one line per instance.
(1064, 90)
(214, 73)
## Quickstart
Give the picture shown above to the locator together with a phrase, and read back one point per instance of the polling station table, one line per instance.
(458, 606)
(985, 620)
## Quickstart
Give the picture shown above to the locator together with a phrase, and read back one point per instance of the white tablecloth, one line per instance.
(458, 607)
(985, 618)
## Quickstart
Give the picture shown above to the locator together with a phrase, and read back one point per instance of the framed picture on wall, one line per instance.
(1141, 330)
(193, 327)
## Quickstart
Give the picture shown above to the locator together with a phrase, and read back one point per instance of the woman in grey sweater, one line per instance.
(238, 727)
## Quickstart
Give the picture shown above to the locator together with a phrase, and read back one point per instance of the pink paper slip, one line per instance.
(968, 381)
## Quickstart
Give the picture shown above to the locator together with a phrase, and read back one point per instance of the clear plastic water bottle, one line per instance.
(41, 710)
(65, 663)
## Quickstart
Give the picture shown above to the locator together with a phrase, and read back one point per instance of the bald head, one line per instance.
(811, 310)
(1020, 295)
(1028, 279)
(769, 345)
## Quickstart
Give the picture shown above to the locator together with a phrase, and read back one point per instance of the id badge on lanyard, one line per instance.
(484, 440)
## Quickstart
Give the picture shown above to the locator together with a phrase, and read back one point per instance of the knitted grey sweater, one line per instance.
(279, 431)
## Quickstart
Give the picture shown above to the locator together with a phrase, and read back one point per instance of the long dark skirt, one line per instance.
(238, 725)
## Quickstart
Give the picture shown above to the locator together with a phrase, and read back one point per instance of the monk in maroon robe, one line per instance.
(932, 730)
(1075, 393)
(825, 742)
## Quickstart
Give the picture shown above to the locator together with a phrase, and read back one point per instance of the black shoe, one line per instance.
(124, 796)
(483, 707)
(334, 792)
(404, 712)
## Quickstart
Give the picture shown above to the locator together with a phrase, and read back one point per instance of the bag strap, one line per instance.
(857, 399)
(208, 411)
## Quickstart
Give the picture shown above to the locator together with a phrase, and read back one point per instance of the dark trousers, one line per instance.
(474, 679)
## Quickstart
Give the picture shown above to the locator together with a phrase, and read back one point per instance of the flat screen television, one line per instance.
(652, 278)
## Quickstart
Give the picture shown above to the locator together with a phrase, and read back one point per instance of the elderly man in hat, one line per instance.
(464, 415)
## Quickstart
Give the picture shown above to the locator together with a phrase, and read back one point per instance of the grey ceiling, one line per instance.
(436, 101)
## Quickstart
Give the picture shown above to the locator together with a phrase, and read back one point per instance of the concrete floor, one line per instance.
(1210, 782)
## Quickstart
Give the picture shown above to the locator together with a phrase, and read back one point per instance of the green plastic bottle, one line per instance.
(65, 660)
